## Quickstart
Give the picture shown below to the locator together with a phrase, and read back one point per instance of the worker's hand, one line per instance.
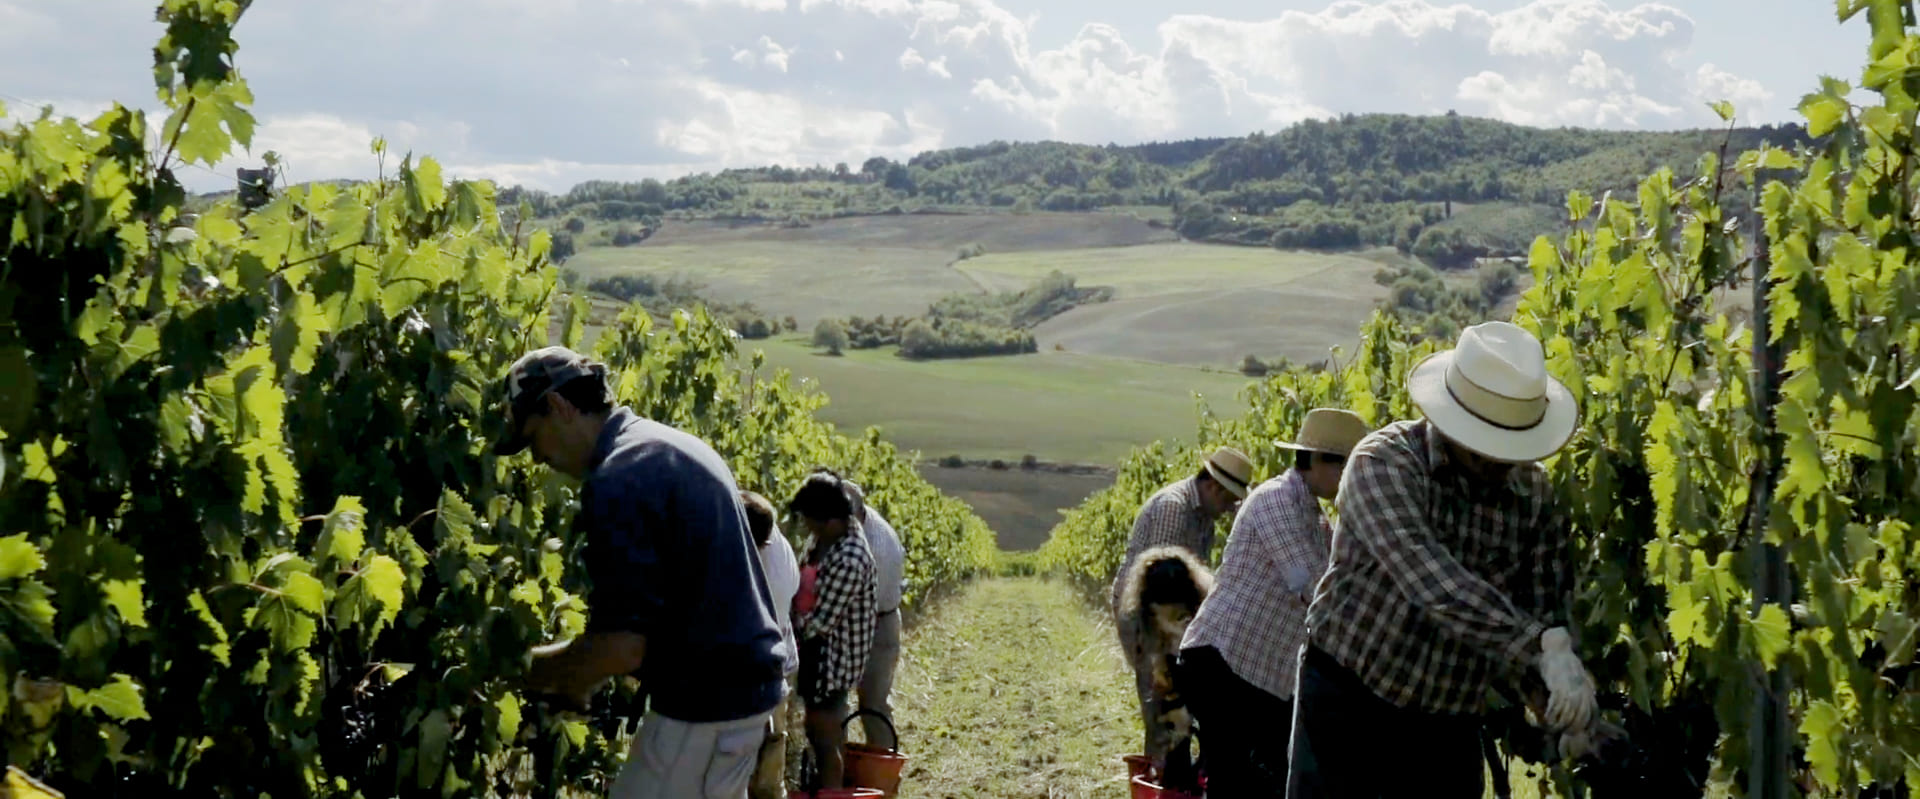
(1570, 700)
(1589, 741)
(554, 680)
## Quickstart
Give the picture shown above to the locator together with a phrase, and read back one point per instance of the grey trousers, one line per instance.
(877, 682)
(674, 759)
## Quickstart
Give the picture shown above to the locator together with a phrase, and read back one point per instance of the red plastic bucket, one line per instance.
(1138, 766)
(870, 766)
(1144, 788)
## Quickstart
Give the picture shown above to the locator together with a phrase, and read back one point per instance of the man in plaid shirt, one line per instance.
(1237, 661)
(1449, 577)
(1181, 514)
(836, 637)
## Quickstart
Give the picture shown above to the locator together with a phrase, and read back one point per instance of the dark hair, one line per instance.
(1168, 582)
(1303, 458)
(759, 517)
(823, 497)
(1205, 475)
(588, 393)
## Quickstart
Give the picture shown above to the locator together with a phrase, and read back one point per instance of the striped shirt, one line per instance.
(1439, 585)
(1257, 614)
(843, 615)
(1173, 515)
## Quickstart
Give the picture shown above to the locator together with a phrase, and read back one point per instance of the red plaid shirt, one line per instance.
(1439, 585)
(1257, 614)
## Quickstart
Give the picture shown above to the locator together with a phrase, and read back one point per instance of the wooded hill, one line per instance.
(1444, 187)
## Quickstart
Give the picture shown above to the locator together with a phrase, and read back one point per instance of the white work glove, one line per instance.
(1570, 699)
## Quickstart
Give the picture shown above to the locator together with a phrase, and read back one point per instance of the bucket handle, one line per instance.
(895, 734)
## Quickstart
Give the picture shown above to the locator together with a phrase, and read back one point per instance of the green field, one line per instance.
(806, 281)
(1174, 302)
(1057, 406)
(1202, 303)
(856, 266)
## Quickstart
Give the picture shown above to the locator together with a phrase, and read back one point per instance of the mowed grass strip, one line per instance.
(1063, 407)
(1014, 688)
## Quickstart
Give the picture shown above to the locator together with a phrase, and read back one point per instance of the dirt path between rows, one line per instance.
(1014, 688)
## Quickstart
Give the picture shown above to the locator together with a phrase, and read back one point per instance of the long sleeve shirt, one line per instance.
(1439, 584)
(1173, 515)
(1256, 616)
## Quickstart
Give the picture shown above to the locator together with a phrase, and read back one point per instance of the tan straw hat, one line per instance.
(1491, 394)
(1231, 469)
(1329, 430)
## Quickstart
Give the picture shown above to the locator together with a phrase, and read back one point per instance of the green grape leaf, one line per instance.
(119, 700)
(509, 707)
(455, 521)
(285, 613)
(220, 649)
(126, 598)
(527, 592)
(425, 189)
(305, 592)
(343, 535)
(1822, 726)
(19, 557)
(1771, 634)
(435, 732)
(1823, 113)
(297, 337)
(374, 594)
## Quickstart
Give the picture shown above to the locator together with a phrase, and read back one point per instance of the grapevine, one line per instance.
(1639, 310)
(251, 538)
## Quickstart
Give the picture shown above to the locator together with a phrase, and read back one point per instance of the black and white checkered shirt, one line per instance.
(1439, 585)
(843, 615)
(1173, 515)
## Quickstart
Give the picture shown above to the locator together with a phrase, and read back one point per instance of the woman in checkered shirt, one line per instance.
(837, 635)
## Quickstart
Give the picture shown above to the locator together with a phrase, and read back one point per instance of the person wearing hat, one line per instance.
(678, 595)
(1449, 577)
(1237, 660)
(1179, 514)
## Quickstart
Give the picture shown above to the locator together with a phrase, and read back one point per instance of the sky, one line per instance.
(549, 93)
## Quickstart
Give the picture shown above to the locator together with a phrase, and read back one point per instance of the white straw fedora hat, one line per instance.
(1491, 394)
(1231, 469)
(1331, 430)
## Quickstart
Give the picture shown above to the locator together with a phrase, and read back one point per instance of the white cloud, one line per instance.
(911, 61)
(741, 126)
(769, 53)
(556, 91)
(1710, 84)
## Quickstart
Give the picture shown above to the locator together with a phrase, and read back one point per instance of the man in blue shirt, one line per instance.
(677, 594)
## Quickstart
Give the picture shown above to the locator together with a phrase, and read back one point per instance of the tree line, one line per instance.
(1445, 188)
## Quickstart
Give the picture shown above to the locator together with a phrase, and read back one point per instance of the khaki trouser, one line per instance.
(770, 775)
(674, 759)
(877, 682)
